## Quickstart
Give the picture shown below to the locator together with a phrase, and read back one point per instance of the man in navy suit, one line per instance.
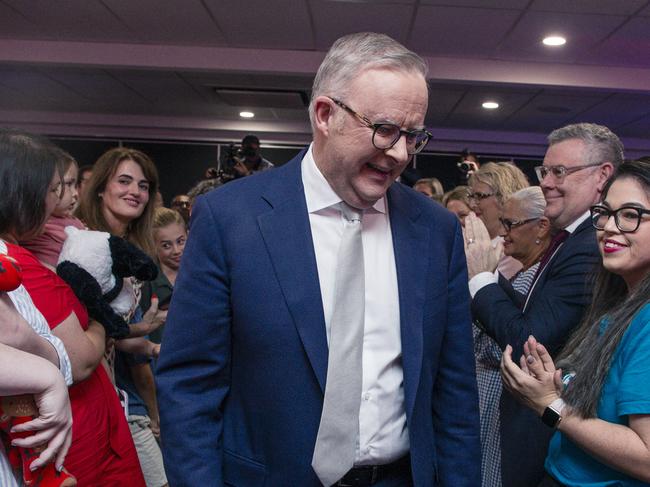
(579, 161)
(243, 374)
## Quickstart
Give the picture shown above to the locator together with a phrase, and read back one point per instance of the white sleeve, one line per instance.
(482, 279)
(28, 310)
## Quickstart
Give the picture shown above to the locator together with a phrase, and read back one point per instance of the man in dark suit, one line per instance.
(250, 392)
(579, 161)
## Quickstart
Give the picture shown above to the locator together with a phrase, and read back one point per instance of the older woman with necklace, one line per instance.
(526, 236)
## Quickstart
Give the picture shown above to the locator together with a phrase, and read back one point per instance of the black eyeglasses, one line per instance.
(509, 224)
(560, 172)
(477, 195)
(626, 218)
(386, 135)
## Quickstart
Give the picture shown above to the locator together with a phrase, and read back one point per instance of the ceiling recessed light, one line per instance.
(490, 105)
(246, 114)
(554, 41)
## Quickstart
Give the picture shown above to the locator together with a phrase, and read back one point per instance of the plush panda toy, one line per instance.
(94, 264)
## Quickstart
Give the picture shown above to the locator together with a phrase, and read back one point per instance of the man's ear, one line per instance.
(323, 115)
(605, 172)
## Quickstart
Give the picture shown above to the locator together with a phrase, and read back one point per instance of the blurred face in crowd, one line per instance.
(460, 209)
(569, 198)
(170, 244)
(126, 194)
(519, 241)
(251, 151)
(626, 254)
(182, 204)
(358, 172)
(424, 188)
(70, 197)
(84, 177)
(487, 207)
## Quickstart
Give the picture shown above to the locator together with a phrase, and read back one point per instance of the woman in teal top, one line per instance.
(600, 404)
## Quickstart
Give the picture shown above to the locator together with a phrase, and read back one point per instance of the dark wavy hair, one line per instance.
(589, 351)
(28, 163)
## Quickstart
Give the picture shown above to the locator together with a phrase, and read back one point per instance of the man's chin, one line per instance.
(370, 195)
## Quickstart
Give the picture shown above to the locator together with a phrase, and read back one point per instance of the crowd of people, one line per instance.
(320, 323)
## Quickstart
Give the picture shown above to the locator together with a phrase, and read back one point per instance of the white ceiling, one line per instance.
(149, 68)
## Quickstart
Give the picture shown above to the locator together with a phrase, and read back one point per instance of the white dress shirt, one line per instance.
(383, 436)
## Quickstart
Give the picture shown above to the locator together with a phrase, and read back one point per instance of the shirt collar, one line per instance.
(577, 222)
(318, 192)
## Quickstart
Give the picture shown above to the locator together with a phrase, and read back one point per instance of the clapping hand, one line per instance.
(481, 255)
(536, 383)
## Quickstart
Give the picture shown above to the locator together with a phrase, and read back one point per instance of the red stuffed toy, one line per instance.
(21, 409)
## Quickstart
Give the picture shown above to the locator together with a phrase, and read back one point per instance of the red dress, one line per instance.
(102, 451)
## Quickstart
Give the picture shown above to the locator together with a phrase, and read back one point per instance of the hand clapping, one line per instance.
(480, 254)
(536, 383)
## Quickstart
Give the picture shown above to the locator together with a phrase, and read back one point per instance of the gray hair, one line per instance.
(203, 187)
(531, 201)
(602, 144)
(354, 53)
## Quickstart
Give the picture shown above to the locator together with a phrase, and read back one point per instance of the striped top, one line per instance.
(488, 358)
(25, 306)
(522, 281)
(7, 478)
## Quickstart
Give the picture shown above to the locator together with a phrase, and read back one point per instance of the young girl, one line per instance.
(47, 246)
(170, 235)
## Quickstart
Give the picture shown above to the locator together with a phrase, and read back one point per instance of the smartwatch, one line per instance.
(553, 413)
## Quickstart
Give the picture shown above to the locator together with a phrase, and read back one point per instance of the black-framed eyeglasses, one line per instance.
(385, 135)
(560, 172)
(626, 218)
(478, 196)
(510, 224)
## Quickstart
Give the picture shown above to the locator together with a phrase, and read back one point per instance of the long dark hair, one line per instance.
(27, 165)
(590, 350)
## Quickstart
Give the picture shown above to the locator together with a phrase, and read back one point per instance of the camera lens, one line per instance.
(464, 166)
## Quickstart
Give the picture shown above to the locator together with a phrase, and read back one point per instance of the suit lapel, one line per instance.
(412, 253)
(541, 277)
(287, 235)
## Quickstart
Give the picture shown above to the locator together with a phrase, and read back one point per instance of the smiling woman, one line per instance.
(601, 408)
(123, 183)
(120, 199)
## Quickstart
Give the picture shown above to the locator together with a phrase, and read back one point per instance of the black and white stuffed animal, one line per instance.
(94, 264)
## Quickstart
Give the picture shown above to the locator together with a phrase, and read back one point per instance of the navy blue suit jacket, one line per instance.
(244, 356)
(554, 307)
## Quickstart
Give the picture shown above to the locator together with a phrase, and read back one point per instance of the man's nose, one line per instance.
(399, 151)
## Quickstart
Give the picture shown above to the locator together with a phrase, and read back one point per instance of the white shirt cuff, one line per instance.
(482, 279)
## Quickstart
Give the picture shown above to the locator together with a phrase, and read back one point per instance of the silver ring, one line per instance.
(470, 241)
